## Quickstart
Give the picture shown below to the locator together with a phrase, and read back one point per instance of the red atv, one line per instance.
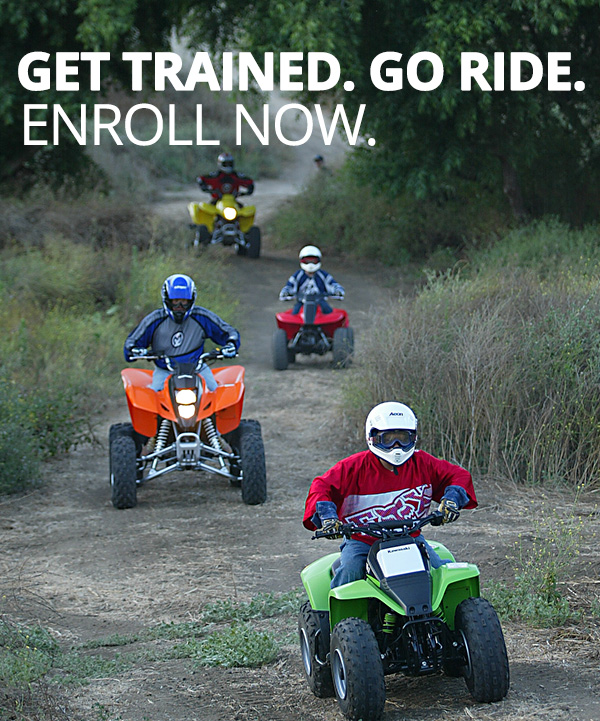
(312, 331)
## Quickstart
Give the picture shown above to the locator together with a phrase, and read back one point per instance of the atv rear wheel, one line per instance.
(486, 670)
(123, 472)
(343, 347)
(280, 350)
(314, 646)
(253, 240)
(357, 671)
(252, 456)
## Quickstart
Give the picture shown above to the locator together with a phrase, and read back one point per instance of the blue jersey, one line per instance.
(183, 341)
(320, 282)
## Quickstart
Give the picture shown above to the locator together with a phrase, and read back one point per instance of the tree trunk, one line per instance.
(512, 189)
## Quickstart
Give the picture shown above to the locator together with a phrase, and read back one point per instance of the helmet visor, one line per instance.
(386, 440)
(180, 303)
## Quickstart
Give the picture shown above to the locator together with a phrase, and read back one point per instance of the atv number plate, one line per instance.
(398, 560)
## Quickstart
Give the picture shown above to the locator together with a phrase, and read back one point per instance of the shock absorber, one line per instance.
(389, 621)
(162, 435)
(213, 437)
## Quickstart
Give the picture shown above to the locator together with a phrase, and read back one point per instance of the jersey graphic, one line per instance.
(394, 505)
(177, 339)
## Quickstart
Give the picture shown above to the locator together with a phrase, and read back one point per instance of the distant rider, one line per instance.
(179, 330)
(390, 481)
(311, 279)
(225, 180)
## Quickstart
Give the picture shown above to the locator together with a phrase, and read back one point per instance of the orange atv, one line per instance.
(185, 427)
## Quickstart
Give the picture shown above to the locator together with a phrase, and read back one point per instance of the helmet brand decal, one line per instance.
(177, 339)
(396, 413)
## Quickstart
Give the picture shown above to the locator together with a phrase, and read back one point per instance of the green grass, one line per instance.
(226, 634)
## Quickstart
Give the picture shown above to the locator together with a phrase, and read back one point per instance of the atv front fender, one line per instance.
(452, 583)
(316, 578)
(352, 600)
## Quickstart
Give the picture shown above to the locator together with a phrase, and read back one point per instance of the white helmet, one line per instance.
(391, 431)
(310, 258)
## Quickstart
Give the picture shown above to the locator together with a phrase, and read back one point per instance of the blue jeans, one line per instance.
(354, 557)
(160, 375)
(323, 305)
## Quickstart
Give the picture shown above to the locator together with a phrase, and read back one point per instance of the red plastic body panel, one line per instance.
(146, 405)
(291, 322)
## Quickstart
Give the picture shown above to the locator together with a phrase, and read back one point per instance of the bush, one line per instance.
(68, 302)
(501, 368)
(344, 214)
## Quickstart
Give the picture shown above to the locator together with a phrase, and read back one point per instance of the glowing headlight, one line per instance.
(185, 396)
(186, 411)
(229, 213)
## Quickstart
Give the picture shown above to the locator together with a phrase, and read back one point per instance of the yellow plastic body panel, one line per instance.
(205, 213)
(146, 405)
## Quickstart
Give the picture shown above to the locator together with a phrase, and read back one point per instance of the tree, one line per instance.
(68, 25)
(541, 146)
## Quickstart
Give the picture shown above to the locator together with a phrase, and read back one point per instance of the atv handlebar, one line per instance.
(311, 296)
(211, 355)
(385, 529)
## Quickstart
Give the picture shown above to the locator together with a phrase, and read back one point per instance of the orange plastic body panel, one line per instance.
(146, 405)
(291, 322)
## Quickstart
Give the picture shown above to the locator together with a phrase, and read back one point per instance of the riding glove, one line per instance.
(229, 350)
(450, 510)
(332, 527)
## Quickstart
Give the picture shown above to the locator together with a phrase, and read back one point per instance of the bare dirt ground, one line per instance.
(86, 571)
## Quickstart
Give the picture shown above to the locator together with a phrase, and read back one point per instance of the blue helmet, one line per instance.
(180, 287)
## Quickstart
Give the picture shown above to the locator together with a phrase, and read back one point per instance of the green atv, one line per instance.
(404, 617)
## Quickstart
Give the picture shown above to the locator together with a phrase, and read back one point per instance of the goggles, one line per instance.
(386, 440)
(227, 164)
(180, 303)
(310, 259)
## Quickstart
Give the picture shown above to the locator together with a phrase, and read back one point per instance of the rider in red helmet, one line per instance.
(225, 180)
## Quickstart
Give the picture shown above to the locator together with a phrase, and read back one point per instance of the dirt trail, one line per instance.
(74, 564)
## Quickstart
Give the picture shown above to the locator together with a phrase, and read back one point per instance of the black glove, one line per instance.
(450, 510)
(332, 527)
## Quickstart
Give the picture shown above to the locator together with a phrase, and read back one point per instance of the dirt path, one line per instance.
(74, 564)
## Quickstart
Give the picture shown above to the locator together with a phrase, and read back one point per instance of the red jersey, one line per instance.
(218, 183)
(364, 491)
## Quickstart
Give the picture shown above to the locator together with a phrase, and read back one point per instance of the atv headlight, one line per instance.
(186, 411)
(185, 396)
(229, 213)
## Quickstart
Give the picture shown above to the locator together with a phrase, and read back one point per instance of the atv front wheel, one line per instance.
(343, 347)
(280, 350)
(123, 472)
(486, 670)
(252, 457)
(202, 236)
(357, 671)
(253, 240)
(314, 645)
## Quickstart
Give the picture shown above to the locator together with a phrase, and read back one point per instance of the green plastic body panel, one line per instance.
(451, 584)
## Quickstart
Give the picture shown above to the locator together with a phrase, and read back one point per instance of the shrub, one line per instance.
(501, 369)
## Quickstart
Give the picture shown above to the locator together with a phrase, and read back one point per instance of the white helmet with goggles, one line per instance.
(391, 431)
(310, 258)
